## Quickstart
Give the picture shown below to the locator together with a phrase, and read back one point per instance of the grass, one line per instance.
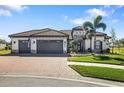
(116, 59)
(5, 52)
(118, 50)
(100, 72)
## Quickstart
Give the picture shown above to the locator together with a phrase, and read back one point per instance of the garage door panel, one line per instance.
(24, 46)
(50, 46)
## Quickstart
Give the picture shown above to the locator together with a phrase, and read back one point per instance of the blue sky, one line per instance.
(18, 18)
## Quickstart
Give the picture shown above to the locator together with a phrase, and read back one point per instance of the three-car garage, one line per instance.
(43, 41)
(42, 46)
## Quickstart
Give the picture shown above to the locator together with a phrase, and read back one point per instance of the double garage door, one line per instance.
(43, 46)
(49, 46)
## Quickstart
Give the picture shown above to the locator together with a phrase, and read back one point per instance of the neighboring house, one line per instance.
(2, 46)
(53, 41)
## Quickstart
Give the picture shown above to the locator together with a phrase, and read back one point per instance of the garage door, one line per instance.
(50, 46)
(24, 46)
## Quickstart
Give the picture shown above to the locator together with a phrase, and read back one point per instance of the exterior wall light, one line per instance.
(33, 42)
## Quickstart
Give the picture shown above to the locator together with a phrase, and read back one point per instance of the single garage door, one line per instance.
(49, 46)
(24, 46)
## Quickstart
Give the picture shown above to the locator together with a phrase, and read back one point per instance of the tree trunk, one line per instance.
(91, 44)
(113, 48)
(94, 41)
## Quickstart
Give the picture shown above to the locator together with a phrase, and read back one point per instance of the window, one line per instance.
(76, 32)
(97, 42)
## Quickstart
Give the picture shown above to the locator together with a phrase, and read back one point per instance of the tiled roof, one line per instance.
(69, 32)
(40, 32)
(48, 32)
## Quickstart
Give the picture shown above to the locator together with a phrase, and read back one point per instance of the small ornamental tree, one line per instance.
(113, 39)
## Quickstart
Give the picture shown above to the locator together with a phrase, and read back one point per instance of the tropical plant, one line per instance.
(122, 42)
(113, 39)
(73, 46)
(2, 41)
(93, 26)
(89, 35)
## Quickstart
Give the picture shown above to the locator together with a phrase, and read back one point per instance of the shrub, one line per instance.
(89, 50)
(108, 50)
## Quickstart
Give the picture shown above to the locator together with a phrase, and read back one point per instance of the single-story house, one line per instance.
(55, 41)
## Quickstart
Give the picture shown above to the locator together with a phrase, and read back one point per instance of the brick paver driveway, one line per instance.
(45, 66)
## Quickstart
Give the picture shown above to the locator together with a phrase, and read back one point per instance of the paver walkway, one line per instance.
(96, 64)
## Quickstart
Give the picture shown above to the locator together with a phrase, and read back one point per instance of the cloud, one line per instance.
(80, 21)
(94, 12)
(120, 6)
(17, 8)
(115, 21)
(106, 6)
(77, 21)
(105, 11)
(6, 10)
(65, 17)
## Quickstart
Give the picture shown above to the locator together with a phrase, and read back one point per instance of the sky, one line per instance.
(19, 18)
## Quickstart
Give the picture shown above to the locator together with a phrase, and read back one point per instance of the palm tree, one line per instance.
(88, 35)
(92, 26)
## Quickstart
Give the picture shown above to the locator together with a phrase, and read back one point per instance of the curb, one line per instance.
(59, 78)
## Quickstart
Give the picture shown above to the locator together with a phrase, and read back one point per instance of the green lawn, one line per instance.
(118, 50)
(100, 72)
(5, 51)
(116, 59)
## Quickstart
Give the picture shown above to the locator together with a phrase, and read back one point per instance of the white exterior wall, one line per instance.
(101, 38)
(78, 32)
(78, 35)
(33, 45)
(87, 44)
(15, 46)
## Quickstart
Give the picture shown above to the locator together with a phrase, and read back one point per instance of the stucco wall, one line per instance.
(101, 38)
(77, 36)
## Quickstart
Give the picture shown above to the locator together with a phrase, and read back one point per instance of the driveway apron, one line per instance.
(45, 66)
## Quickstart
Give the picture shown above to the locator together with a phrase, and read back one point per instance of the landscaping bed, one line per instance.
(100, 72)
(115, 59)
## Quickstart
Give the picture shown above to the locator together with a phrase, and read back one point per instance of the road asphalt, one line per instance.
(43, 82)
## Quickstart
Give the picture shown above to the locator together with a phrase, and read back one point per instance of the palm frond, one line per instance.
(87, 25)
(97, 20)
(102, 25)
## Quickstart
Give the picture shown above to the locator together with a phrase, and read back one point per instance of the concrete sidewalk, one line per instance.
(96, 64)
